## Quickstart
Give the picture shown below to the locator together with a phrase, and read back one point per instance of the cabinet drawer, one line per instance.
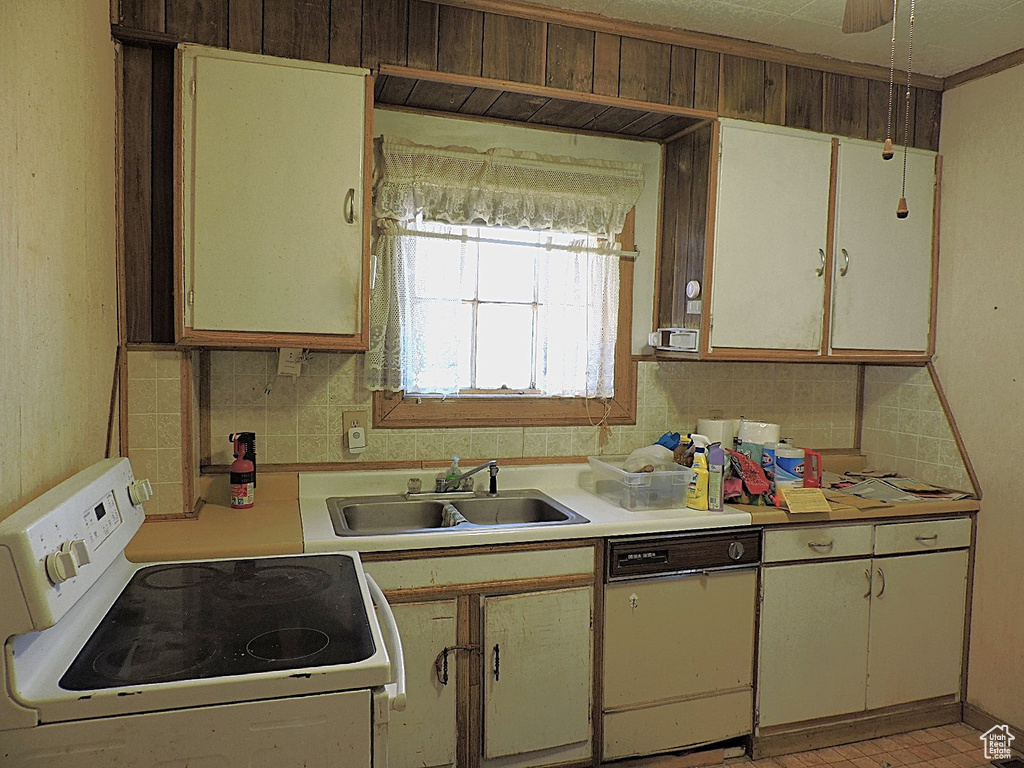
(431, 572)
(923, 536)
(816, 543)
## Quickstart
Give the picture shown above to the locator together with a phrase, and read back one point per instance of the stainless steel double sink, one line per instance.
(397, 514)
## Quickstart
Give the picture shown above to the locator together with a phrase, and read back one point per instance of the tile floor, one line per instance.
(950, 746)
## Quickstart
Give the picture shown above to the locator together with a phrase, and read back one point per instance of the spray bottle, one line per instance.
(697, 494)
(243, 477)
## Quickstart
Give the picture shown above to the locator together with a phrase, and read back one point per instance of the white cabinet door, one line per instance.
(424, 734)
(272, 172)
(538, 665)
(917, 627)
(814, 640)
(882, 281)
(771, 226)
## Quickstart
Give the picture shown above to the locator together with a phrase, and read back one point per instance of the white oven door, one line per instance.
(333, 730)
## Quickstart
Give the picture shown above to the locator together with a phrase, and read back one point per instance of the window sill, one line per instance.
(394, 410)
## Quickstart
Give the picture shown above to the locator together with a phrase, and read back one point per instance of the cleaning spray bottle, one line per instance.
(697, 494)
(243, 476)
(716, 479)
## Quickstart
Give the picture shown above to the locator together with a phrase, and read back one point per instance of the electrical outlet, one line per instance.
(354, 423)
(353, 419)
(289, 362)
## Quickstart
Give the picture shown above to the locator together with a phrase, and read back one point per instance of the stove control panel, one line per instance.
(63, 542)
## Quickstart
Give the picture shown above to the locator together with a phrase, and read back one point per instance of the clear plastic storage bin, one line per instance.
(663, 489)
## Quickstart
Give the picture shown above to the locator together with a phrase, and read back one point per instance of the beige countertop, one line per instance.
(271, 527)
(276, 526)
(842, 513)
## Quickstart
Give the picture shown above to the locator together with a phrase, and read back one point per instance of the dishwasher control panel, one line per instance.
(659, 555)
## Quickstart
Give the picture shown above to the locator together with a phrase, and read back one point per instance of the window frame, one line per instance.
(397, 410)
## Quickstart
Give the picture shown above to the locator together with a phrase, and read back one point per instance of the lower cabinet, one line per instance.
(517, 687)
(424, 735)
(846, 636)
(538, 674)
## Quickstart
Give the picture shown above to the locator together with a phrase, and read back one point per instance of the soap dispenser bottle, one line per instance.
(452, 473)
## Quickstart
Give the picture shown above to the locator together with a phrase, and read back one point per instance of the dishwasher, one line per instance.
(679, 627)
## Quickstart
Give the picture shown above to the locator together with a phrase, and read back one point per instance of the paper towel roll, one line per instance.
(719, 430)
(758, 432)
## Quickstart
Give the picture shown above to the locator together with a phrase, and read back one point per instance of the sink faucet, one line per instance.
(492, 466)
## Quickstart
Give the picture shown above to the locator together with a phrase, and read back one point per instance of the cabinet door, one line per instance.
(538, 663)
(917, 627)
(882, 282)
(424, 734)
(814, 641)
(272, 193)
(771, 224)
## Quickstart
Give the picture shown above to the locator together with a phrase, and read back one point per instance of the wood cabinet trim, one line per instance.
(473, 81)
(955, 429)
(830, 247)
(533, 546)
(709, 238)
(487, 588)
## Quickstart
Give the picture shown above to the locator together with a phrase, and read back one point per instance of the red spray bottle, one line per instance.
(243, 477)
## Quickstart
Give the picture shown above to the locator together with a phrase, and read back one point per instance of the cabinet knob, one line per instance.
(846, 263)
(821, 270)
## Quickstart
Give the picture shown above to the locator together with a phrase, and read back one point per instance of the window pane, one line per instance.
(507, 272)
(504, 351)
(443, 268)
(436, 355)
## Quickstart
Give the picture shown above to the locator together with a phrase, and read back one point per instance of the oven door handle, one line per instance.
(396, 690)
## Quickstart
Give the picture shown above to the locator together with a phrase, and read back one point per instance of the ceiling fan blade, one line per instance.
(866, 15)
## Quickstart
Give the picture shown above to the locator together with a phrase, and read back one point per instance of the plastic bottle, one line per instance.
(243, 478)
(697, 493)
(452, 473)
(716, 479)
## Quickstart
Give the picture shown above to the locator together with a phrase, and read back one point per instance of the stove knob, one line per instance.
(60, 566)
(78, 550)
(140, 492)
(736, 550)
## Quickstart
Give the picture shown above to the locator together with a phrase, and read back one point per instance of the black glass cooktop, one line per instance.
(191, 621)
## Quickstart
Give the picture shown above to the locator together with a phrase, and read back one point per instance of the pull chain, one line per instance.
(887, 152)
(901, 209)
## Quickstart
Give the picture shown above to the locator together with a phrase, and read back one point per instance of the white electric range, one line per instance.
(269, 661)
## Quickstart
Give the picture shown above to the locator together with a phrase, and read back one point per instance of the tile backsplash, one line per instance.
(299, 420)
(154, 426)
(906, 430)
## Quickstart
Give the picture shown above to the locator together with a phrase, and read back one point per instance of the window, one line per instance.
(499, 310)
(498, 315)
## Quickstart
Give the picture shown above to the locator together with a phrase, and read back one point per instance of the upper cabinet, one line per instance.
(770, 237)
(801, 252)
(882, 265)
(274, 201)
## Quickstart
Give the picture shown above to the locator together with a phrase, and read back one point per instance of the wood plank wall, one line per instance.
(445, 38)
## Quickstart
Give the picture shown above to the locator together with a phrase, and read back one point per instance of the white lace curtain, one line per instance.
(500, 188)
